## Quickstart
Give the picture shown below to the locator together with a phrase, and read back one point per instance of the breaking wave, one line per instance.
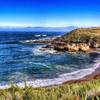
(60, 79)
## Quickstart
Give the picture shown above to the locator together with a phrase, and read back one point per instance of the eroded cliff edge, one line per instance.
(81, 39)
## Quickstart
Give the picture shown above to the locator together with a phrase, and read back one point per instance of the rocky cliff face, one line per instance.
(81, 39)
(73, 47)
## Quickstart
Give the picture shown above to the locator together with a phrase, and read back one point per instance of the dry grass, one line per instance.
(83, 35)
(79, 91)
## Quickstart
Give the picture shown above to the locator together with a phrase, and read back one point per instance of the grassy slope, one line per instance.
(83, 35)
(78, 91)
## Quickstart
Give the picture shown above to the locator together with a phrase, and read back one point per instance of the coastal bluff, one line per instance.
(82, 39)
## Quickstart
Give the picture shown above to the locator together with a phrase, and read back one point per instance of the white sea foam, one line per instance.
(60, 79)
(38, 50)
(50, 51)
(27, 41)
(44, 35)
(38, 35)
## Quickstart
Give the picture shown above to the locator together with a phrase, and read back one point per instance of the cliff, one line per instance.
(81, 39)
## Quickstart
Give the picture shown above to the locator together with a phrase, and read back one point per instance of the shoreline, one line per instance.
(79, 76)
(90, 77)
(93, 76)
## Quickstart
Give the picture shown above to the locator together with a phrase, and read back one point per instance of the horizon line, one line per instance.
(46, 26)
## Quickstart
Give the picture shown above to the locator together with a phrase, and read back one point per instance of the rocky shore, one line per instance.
(82, 39)
(73, 47)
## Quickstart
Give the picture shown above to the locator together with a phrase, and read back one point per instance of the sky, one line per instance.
(49, 13)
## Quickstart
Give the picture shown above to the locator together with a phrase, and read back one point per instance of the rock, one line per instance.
(96, 45)
(47, 46)
(59, 48)
(81, 39)
(83, 47)
(72, 47)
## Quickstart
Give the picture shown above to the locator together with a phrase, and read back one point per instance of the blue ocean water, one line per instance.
(22, 61)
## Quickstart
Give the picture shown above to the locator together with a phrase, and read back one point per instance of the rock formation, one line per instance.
(82, 39)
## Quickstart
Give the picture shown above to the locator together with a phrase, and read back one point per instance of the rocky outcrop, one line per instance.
(83, 47)
(95, 45)
(82, 39)
(72, 47)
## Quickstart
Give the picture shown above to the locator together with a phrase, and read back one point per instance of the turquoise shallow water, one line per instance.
(21, 61)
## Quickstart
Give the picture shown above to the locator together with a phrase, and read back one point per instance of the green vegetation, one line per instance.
(78, 91)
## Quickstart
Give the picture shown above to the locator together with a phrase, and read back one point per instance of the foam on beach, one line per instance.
(60, 79)
(38, 50)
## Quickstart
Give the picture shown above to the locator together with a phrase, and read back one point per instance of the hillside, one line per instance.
(83, 35)
(38, 29)
(81, 39)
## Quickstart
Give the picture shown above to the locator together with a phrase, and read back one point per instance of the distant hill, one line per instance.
(34, 29)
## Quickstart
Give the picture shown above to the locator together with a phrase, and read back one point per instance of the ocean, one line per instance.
(21, 61)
